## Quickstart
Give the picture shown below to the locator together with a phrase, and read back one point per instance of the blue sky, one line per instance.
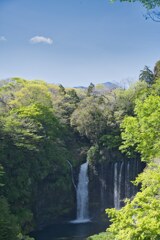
(75, 42)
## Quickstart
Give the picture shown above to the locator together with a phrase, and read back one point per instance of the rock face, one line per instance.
(110, 183)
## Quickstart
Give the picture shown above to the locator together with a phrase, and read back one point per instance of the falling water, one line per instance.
(82, 195)
(120, 185)
(127, 181)
(116, 185)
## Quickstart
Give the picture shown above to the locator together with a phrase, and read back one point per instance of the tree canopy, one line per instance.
(142, 131)
(146, 75)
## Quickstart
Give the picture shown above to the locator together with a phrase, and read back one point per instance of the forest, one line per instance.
(43, 126)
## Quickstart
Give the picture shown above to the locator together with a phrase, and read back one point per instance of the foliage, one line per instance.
(102, 236)
(146, 75)
(64, 104)
(124, 100)
(42, 126)
(98, 118)
(9, 228)
(89, 119)
(33, 149)
(156, 87)
(31, 92)
(90, 89)
(111, 141)
(142, 131)
(62, 90)
(93, 154)
(139, 121)
(140, 218)
(157, 70)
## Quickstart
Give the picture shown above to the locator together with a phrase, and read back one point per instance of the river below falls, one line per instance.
(69, 231)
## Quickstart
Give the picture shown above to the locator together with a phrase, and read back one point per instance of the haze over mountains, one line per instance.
(102, 86)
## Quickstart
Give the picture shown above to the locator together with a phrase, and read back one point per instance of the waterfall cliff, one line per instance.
(110, 184)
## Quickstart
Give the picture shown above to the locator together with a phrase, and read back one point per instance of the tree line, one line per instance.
(44, 125)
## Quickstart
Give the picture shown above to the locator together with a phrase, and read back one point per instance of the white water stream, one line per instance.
(82, 195)
(117, 184)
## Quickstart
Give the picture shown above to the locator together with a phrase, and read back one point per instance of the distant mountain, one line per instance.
(107, 86)
(110, 85)
(81, 87)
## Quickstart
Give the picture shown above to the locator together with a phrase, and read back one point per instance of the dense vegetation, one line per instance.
(140, 217)
(43, 126)
(34, 149)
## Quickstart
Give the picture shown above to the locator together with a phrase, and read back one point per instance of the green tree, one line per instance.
(147, 76)
(29, 132)
(65, 104)
(90, 89)
(157, 70)
(62, 90)
(123, 101)
(73, 95)
(141, 132)
(31, 92)
(9, 228)
(102, 236)
(88, 119)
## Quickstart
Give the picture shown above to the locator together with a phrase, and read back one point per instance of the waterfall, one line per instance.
(111, 183)
(127, 181)
(82, 195)
(124, 173)
(117, 184)
(102, 188)
(120, 185)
